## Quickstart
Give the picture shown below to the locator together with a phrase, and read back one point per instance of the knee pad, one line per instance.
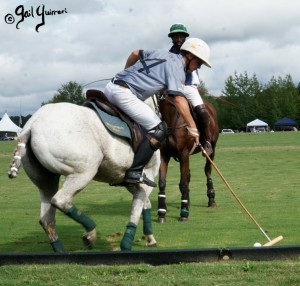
(157, 135)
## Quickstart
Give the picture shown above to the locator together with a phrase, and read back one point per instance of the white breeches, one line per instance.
(135, 108)
(192, 95)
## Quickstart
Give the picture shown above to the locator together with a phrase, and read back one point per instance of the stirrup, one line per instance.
(208, 148)
(139, 180)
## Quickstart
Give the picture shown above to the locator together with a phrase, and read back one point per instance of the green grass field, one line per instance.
(262, 169)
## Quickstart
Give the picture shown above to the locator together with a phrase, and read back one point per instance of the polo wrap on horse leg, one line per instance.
(203, 122)
(81, 218)
(185, 200)
(147, 223)
(128, 237)
(144, 153)
(57, 246)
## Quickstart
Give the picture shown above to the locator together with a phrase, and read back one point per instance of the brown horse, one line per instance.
(179, 145)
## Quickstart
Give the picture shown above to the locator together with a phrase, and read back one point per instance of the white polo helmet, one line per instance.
(198, 48)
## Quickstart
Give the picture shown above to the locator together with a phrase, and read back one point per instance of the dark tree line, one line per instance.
(245, 99)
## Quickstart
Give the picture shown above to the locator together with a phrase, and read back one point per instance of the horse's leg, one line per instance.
(47, 184)
(147, 224)
(63, 201)
(47, 214)
(209, 181)
(162, 204)
(185, 177)
(140, 200)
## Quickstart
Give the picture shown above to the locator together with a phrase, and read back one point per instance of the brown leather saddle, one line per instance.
(138, 133)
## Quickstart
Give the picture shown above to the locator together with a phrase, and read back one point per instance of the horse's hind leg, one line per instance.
(47, 184)
(47, 214)
(63, 201)
(162, 182)
(185, 177)
(48, 187)
(209, 182)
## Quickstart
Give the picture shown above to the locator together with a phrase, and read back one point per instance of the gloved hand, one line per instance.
(194, 133)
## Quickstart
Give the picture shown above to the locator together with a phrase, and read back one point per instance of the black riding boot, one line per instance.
(135, 173)
(203, 122)
(144, 153)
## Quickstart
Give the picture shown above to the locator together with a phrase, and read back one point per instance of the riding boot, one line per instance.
(144, 153)
(135, 173)
(203, 121)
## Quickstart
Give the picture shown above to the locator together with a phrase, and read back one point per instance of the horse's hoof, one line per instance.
(151, 242)
(89, 238)
(183, 219)
(12, 175)
(212, 205)
(161, 220)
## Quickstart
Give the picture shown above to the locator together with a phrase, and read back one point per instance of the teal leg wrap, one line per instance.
(147, 223)
(184, 213)
(81, 218)
(57, 246)
(128, 237)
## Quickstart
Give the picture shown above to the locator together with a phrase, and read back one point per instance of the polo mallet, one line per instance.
(270, 241)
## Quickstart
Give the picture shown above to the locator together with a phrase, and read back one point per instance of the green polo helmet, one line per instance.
(178, 28)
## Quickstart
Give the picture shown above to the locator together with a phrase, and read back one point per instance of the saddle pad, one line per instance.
(113, 123)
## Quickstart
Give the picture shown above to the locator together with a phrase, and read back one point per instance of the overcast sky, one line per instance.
(91, 40)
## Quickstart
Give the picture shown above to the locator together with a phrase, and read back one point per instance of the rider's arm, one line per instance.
(132, 59)
(184, 110)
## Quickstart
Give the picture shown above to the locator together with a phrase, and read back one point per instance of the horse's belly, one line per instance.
(114, 165)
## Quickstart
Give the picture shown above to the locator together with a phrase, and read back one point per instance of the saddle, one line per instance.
(96, 99)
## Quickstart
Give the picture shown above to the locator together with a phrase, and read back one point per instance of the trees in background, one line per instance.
(69, 92)
(245, 99)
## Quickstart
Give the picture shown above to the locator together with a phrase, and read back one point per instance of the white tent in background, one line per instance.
(256, 123)
(6, 125)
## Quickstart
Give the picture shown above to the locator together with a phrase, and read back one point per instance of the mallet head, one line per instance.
(274, 241)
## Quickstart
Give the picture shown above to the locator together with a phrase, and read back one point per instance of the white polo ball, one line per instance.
(257, 244)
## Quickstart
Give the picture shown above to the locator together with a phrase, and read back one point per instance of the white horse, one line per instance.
(70, 140)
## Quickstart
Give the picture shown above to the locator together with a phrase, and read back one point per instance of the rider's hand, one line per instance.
(194, 133)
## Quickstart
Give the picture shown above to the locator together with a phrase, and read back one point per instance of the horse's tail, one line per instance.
(16, 163)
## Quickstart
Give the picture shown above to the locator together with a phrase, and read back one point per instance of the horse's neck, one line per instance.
(171, 116)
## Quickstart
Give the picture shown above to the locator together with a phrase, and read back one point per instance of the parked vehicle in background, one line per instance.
(6, 138)
(261, 129)
(227, 131)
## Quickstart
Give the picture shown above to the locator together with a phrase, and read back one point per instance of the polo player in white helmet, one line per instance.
(146, 73)
(178, 33)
